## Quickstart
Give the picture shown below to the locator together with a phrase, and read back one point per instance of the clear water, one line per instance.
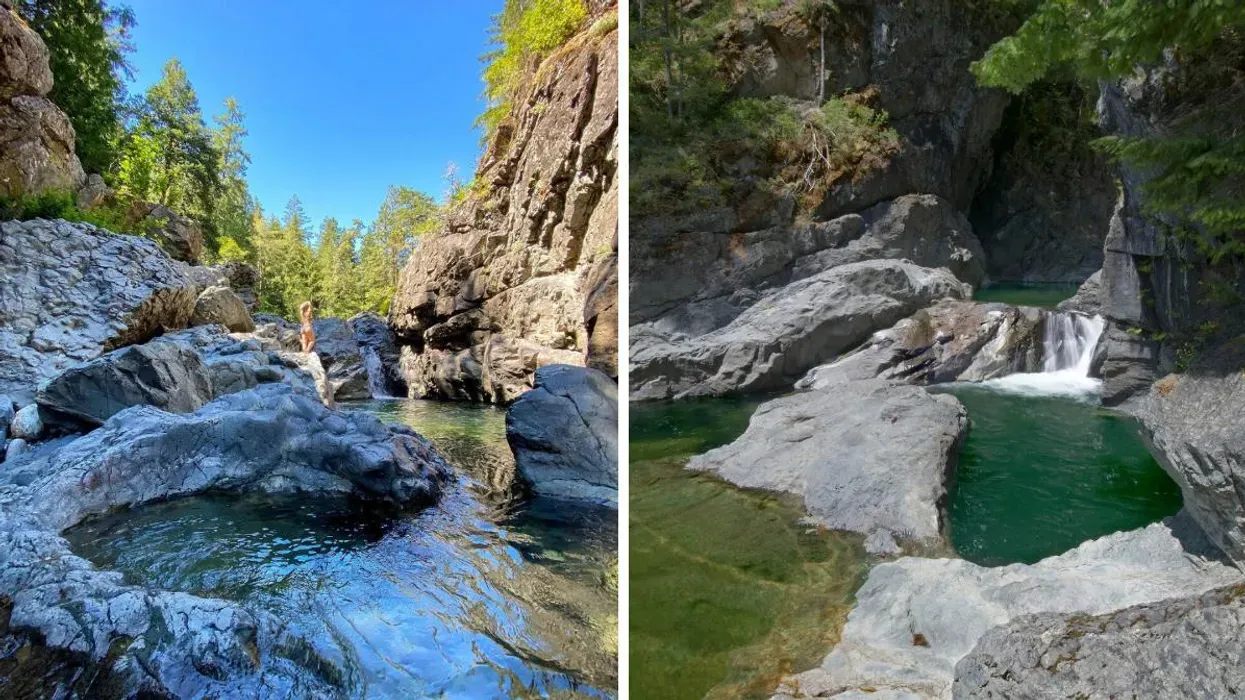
(1042, 296)
(729, 592)
(1039, 475)
(483, 596)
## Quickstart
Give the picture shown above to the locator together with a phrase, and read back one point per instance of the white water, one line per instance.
(375, 372)
(1068, 350)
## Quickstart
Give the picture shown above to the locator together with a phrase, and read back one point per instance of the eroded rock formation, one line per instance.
(523, 272)
(73, 292)
(36, 138)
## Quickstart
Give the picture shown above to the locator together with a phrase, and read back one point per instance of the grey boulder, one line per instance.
(179, 236)
(564, 434)
(218, 304)
(339, 354)
(872, 457)
(163, 373)
(16, 448)
(1088, 297)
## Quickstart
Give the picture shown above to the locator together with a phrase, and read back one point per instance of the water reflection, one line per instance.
(483, 596)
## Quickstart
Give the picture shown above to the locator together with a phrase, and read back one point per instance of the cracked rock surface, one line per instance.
(564, 435)
(73, 292)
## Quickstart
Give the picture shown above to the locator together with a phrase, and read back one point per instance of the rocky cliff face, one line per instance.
(1158, 289)
(524, 273)
(36, 138)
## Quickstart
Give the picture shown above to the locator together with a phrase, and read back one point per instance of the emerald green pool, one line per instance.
(1044, 296)
(729, 592)
(1040, 475)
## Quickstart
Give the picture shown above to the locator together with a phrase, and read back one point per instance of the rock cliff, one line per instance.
(524, 272)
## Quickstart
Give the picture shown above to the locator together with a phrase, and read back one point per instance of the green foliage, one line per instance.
(88, 47)
(524, 32)
(1196, 164)
(55, 204)
(693, 142)
(169, 154)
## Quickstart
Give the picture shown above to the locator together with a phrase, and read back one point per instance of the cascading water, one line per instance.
(375, 373)
(1068, 352)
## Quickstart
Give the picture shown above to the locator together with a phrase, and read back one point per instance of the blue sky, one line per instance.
(341, 99)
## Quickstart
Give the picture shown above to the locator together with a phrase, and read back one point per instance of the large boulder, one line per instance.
(872, 457)
(564, 434)
(73, 292)
(163, 373)
(36, 138)
(27, 423)
(1088, 297)
(381, 356)
(1180, 648)
(340, 356)
(785, 333)
(916, 618)
(504, 287)
(269, 439)
(1196, 426)
(219, 305)
(950, 341)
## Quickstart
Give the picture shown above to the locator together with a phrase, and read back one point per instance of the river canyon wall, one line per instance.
(524, 272)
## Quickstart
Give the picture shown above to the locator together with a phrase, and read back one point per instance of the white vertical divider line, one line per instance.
(624, 349)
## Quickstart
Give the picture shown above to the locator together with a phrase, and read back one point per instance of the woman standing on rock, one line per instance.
(306, 334)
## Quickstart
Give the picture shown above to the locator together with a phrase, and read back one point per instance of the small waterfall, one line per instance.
(1069, 342)
(1068, 346)
(375, 372)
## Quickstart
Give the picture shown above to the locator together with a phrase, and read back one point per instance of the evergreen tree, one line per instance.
(232, 221)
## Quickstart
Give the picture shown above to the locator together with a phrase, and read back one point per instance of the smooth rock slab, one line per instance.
(564, 434)
(952, 603)
(872, 457)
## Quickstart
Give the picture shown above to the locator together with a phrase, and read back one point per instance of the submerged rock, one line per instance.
(1178, 648)
(1196, 426)
(916, 618)
(73, 292)
(789, 331)
(273, 439)
(564, 434)
(950, 341)
(872, 457)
